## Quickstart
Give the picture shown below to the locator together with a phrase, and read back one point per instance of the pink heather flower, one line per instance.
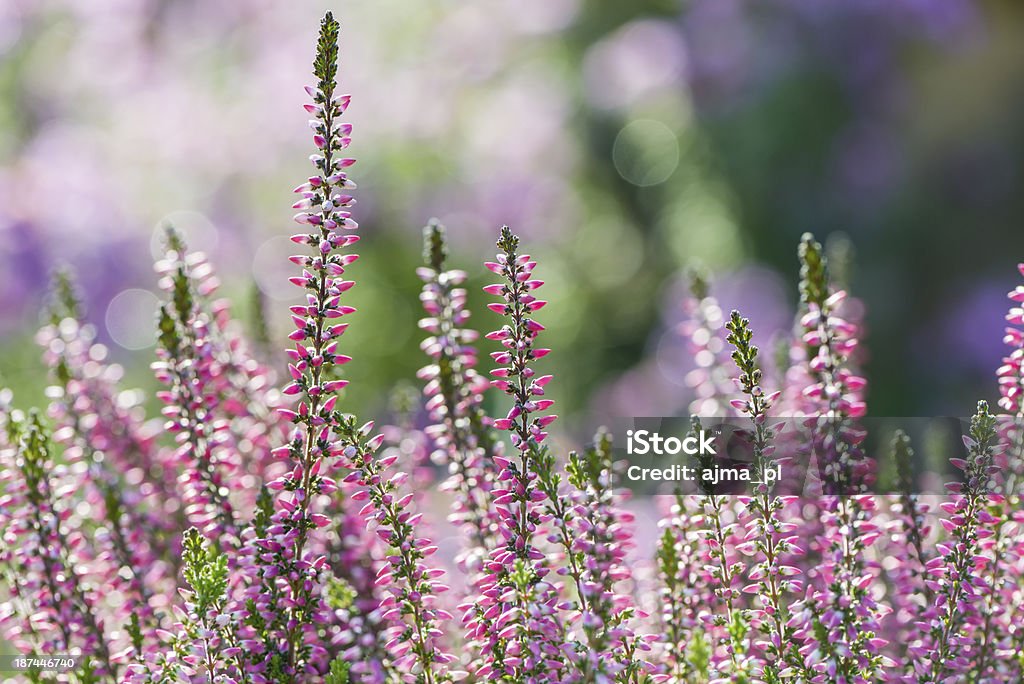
(704, 331)
(189, 367)
(516, 377)
(1010, 374)
(593, 532)
(839, 599)
(356, 623)
(87, 402)
(454, 391)
(44, 557)
(286, 592)
(309, 558)
(114, 469)
(835, 392)
(768, 538)
(514, 619)
(999, 632)
(249, 400)
(955, 576)
(724, 620)
(907, 550)
(689, 570)
(412, 590)
(203, 646)
(243, 389)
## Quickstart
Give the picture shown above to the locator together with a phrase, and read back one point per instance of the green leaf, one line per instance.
(206, 571)
(339, 672)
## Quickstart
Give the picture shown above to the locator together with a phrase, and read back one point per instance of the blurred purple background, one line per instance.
(623, 140)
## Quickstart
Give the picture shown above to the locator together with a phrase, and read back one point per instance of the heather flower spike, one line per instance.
(839, 601)
(114, 468)
(290, 573)
(830, 340)
(955, 579)
(45, 555)
(1011, 388)
(188, 366)
(766, 532)
(601, 540)
(516, 491)
(731, 623)
(912, 510)
(704, 331)
(412, 600)
(688, 642)
(514, 620)
(204, 645)
(454, 391)
(593, 533)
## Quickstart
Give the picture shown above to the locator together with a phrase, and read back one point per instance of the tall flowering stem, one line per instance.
(830, 340)
(454, 391)
(704, 331)
(593, 532)
(202, 646)
(767, 534)
(684, 594)
(1004, 578)
(187, 367)
(1003, 541)
(912, 510)
(515, 615)
(844, 607)
(114, 467)
(412, 588)
(516, 376)
(956, 582)
(314, 369)
(44, 555)
(1011, 388)
(725, 569)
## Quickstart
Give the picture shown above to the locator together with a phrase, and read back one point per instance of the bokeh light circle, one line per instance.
(199, 232)
(271, 270)
(645, 152)
(131, 318)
